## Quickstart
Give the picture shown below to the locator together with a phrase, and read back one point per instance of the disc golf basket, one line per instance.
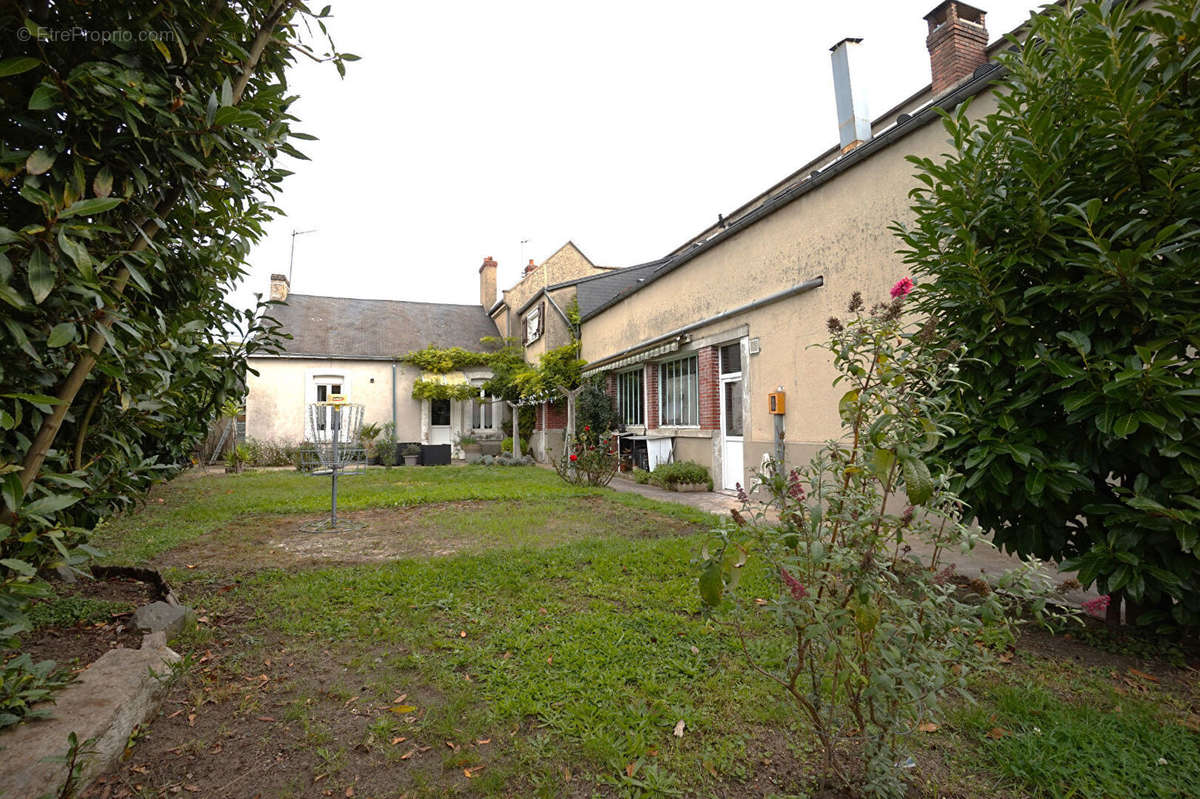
(333, 429)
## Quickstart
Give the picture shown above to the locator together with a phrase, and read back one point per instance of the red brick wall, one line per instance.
(709, 373)
(551, 416)
(651, 395)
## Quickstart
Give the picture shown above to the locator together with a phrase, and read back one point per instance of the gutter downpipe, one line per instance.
(393, 402)
(799, 288)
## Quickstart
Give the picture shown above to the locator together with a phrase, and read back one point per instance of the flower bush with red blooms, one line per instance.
(865, 638)
(589, 458)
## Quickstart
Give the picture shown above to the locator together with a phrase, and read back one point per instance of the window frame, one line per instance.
(639, 377)
(675, 398)
(533, 325)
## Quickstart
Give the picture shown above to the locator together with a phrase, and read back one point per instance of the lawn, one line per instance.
(494, 632)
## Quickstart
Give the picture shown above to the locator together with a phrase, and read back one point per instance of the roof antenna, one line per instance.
(292, 256)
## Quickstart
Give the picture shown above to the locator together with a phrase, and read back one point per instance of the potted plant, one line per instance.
(366, 437)
(237, 458)
(411, 453)
(469, 445)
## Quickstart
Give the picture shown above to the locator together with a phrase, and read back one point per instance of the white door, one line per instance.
(732, 464)
(439, 422)
(732, 439)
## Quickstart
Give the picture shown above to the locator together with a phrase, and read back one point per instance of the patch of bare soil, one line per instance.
(266, 541)
(300, 722)
(80, 644)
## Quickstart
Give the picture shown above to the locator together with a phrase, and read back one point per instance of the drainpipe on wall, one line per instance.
(393, 401)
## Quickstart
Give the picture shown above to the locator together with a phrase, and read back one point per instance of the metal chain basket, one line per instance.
(333, 448)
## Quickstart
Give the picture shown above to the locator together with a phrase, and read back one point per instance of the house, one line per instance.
(693, 350)
(537, 312)
(354, 347)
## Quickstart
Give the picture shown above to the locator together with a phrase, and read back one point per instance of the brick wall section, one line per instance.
(956, 46)
(551, 416)
(651, 395)
(709, 373)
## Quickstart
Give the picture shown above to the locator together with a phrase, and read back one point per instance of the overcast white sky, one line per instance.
(626, 127)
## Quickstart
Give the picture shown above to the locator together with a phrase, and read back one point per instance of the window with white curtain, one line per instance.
(679, 393)
(630, 406)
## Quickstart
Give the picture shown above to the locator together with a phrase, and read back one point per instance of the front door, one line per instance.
(732, 463)
(439, 421)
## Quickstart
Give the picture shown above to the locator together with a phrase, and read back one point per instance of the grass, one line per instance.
(567, 637)
(1109, 748)
(191, 507)
(67, 611)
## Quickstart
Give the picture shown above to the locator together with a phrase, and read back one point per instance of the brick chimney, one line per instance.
(529, 267)
(487, 283)
(957, 43)
(279, 287)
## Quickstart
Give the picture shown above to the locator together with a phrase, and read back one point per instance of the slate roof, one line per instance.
(340, 327)
(599, 291)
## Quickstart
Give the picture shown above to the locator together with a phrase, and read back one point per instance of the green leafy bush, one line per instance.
(138, 173)
(868, 638)
(673, 475)
(641, 476)
(594, 408)
(1058, 243)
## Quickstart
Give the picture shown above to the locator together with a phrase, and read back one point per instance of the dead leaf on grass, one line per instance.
(927, 726)
(679, 725)
(403, 710)
(469, 773)
(408, 754)
(453, 746)
(483, 741)
(1143, 675)
(399, 699)
(350, 791)
(191, 719)
(630, 768)
(399, 740)
(997, 732)
(265, 718)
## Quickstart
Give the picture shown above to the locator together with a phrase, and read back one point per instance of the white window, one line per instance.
(630, 405)
(533, 325)
(321, 388)
(483, 413)
(679, 393)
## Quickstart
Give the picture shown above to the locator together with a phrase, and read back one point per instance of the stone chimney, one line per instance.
(279, 287)
(957, 43)
(487, 283)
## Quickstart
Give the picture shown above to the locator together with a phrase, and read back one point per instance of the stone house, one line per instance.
(353, 347)
(693, 351)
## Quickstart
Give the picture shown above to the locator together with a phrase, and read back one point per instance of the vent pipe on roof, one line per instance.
(854, 122)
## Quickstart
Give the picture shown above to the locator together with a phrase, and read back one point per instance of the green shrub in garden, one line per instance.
(872, 638)
(673, 475)
(137, 171)
(1059, 242)
(590, 458)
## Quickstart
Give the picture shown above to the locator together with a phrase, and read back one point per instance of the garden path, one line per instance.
(983, 561)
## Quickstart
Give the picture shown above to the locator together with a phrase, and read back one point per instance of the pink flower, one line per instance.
(798, 590)
(903, 286)
(1097, 607)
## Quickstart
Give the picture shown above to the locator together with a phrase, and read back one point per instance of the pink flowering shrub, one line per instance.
(902, 288)
(1097, 607)
(865, 638)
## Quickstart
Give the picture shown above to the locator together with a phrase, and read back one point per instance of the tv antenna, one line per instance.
(292, 256)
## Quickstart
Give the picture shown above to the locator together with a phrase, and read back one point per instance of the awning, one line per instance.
(630, 360)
